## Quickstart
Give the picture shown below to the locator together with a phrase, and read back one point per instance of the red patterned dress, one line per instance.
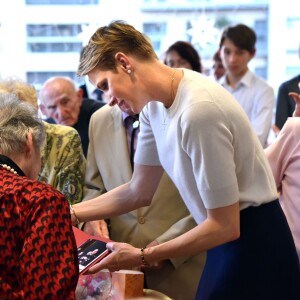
(38, 254)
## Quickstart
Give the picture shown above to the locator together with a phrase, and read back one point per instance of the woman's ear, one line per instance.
(29, 144)
(123, 61)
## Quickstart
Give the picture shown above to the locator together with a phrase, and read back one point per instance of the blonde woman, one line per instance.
(195, 130)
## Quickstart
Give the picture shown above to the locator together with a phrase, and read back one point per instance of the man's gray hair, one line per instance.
(17, 118)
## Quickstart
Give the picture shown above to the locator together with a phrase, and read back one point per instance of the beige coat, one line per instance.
(108, 166)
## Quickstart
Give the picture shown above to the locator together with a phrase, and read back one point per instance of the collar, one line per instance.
(125, 115)
(6, 160)
(245, 80)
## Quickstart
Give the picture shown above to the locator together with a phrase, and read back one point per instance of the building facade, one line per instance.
(43, 38)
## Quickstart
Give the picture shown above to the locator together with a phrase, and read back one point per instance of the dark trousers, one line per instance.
(261, 265)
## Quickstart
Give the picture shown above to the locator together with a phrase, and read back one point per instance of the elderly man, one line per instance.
(63, 101)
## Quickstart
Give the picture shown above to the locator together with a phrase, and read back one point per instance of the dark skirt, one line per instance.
(261, 265)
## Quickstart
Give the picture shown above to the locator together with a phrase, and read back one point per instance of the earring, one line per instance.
(129, 71)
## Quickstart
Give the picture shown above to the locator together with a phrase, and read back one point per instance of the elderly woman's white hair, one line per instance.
(17, 118)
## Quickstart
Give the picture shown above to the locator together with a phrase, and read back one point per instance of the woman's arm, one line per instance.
(127, 197)
(222, 225)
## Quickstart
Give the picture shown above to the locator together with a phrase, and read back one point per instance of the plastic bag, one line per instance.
(95, 286)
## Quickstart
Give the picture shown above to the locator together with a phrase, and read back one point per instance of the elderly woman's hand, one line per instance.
(296, 98)
(97, 228)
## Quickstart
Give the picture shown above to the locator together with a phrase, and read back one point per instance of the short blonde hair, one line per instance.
(24, 91)
(118, 36)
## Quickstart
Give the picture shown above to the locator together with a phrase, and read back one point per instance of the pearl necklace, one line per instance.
(5, 166)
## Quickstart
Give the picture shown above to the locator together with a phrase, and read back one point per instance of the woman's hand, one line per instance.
(121, 256)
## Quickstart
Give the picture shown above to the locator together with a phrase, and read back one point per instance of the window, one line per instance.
(38, 78)
(47, 30)
(261, 30)
(61, 2)
(292, 71)
(53, 38)
(54, 47)
(155, 28)
(156, 32)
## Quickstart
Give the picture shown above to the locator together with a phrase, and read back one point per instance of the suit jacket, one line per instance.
(108, 166)
(285, 104)
(84, 90)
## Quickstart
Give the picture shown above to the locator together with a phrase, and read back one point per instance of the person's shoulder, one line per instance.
(194, 80)
(258, 79)
(198, 88)
(90, 106)
(193, 75)
(105, 111)
(292, 123)
(60, 140)
(260, 84)
(40, 189)
(291, 82)
(92, 103)
(290, 132)
(57, 130)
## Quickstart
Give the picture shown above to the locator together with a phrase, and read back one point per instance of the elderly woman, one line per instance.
(38, 251)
